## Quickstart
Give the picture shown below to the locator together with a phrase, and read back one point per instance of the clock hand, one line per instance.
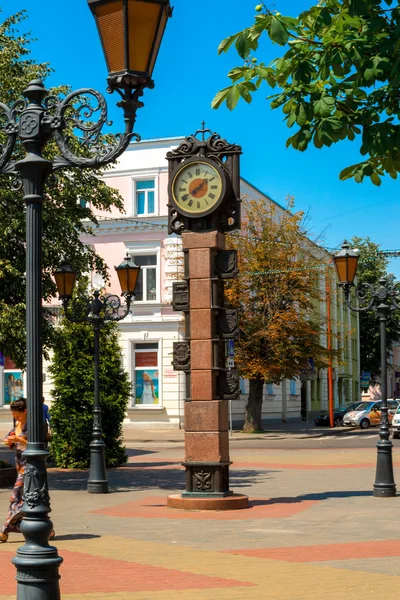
(199, 187)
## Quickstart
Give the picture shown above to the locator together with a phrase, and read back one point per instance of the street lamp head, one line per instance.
(65, 278)
(128, 274)
(346, 264)
(131, 32)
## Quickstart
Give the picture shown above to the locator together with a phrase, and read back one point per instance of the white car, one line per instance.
(396, 424)
(368, 413)
(359, 417)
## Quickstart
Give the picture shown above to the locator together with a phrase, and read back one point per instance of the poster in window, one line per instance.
(13, 386)
(147, 392)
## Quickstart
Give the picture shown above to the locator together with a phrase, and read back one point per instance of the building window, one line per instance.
(293, 387)
(82, 202)
(270, 389)
(146, 375)
(147, 284)
(145, 197)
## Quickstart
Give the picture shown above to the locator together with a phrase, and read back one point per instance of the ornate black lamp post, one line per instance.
(382, 298)
(97, 309)
(131, 32)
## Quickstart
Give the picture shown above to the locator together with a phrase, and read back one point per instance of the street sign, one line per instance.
(231, 354)
(365, 378)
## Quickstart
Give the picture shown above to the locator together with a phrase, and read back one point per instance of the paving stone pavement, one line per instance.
(313, 530)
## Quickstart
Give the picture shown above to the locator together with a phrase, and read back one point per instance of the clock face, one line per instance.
(197, 188)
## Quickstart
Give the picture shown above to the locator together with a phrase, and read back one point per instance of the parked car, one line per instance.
(368, 413)
(338, 414)
(396, 424)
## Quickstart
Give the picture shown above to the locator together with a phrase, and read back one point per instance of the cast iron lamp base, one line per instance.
(97, 482)
(384, 486)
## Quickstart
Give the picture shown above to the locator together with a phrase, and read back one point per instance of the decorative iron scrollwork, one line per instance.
(203, 480)
(181, 356)
(214, 144)
(371, 296)
(75, 122)
(36, 492)
(105, 308)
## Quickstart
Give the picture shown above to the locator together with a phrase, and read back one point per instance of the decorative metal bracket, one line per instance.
(97, 308)
(373, 297)
(71, 121)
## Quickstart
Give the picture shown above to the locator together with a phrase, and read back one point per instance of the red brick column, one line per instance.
(206, 415)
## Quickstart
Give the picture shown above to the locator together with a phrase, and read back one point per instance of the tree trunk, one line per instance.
(254, 406)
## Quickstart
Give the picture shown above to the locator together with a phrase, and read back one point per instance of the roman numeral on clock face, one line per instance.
(212, 196)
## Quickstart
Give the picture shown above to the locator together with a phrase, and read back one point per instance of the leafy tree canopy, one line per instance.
(65, 217)
(372, 266)
(338, 78)
(276, 293)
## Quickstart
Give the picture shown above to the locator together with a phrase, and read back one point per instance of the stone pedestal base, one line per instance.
(233, 502)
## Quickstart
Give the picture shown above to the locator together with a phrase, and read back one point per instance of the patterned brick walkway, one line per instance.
(313, 529)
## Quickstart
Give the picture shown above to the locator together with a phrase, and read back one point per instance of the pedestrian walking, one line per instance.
(17, 439)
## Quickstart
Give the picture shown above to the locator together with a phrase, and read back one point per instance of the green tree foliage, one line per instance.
(72, 370)
(275, 293)
(338, 78)
(372, 266)
(63, 211)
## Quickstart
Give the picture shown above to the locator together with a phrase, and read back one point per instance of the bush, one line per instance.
(72, 409)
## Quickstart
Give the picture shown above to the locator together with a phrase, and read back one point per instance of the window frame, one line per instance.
(132, 371)
(153, 249)
(134, 192)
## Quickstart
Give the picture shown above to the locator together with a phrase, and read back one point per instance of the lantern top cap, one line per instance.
(65, 268)
(127, 263)
(346, 250)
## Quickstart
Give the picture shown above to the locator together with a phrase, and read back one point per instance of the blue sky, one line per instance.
(187, 75)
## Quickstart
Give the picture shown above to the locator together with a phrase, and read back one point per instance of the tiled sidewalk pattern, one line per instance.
(313, 530)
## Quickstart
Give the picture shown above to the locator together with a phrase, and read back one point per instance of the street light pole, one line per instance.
(384, 481)
(34, 121)
(97, 310)
(97, 483)
(382, 298)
